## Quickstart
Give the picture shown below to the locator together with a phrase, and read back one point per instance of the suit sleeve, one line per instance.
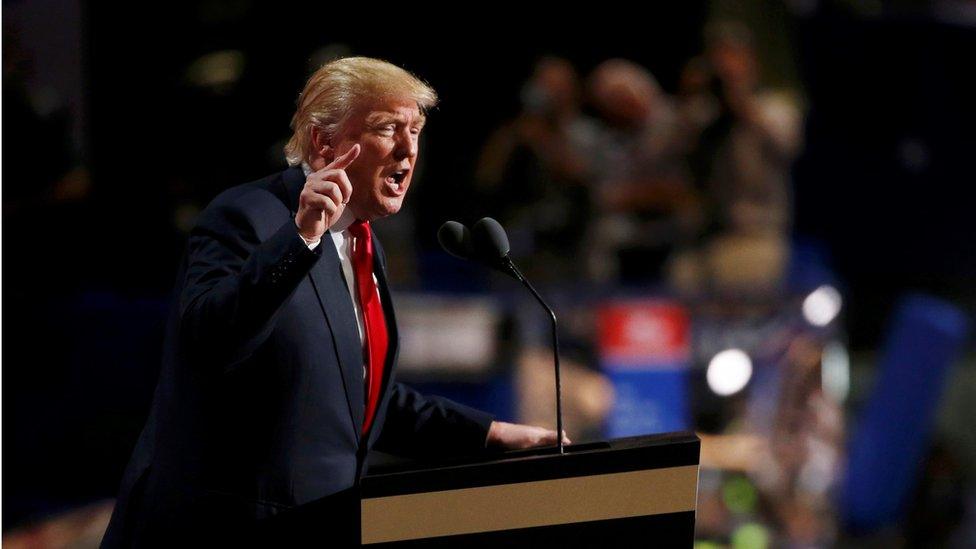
(427, 426)
(236, 283)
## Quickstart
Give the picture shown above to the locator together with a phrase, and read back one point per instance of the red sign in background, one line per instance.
(643, 333)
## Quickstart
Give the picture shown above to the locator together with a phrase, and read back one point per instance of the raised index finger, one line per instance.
(345, 160)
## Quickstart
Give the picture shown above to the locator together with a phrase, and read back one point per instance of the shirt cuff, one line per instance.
(312, 244)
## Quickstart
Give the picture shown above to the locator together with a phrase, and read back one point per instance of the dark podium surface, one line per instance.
(638, 491)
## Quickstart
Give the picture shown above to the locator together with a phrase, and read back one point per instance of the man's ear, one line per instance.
(321, 144)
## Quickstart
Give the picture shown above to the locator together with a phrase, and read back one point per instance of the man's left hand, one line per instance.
(513, 436)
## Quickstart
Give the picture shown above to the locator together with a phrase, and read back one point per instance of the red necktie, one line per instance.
(374, 322)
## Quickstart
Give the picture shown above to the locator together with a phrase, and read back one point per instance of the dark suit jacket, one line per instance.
(260, 400)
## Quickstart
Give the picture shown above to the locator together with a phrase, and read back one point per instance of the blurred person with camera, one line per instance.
(741, 140)
(645, 206)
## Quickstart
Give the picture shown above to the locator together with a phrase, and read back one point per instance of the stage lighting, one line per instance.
(728, 372)
(822, 306)
(835, 371)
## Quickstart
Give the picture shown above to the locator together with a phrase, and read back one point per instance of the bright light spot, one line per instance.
(728, 372)
(821, 307)
(835, 371)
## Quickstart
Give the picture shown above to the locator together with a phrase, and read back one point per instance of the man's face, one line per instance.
(387, 132)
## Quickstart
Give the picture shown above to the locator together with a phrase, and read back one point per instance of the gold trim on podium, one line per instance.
(529, 504)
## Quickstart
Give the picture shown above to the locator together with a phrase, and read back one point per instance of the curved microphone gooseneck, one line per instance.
(487, 243)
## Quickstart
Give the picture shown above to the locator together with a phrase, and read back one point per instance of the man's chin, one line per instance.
(393, 206)
(388, 206)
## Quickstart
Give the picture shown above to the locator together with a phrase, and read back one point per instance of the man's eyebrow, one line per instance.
(377, 118)
(380, 117)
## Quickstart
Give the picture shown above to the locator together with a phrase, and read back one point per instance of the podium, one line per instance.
(637, 491)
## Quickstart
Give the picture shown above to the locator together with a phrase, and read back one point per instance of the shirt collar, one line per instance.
(347, 218)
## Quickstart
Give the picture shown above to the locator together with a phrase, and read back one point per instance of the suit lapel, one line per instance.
(333, 295)
(330, 287)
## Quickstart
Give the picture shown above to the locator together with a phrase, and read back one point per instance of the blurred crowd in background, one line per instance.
(639, 191)
(694, 226)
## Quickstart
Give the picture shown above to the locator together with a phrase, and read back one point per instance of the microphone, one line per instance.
(455, 238)
(487, 243)
(490, 245)
(490, 240)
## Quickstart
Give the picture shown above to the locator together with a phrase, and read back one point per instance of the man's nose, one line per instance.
(406, 145)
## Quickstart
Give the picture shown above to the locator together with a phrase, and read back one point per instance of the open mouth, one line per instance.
(395, 181)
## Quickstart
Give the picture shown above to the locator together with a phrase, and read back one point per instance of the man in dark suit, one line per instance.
(278, 371)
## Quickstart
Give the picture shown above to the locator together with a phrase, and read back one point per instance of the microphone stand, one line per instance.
(509, 267)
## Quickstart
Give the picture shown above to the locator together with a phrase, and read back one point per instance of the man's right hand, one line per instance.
(324, 197)
(515, 436)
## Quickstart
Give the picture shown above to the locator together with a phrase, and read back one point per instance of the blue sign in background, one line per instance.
(652, 399)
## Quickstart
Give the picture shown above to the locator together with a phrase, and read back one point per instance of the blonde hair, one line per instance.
(333, 91)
